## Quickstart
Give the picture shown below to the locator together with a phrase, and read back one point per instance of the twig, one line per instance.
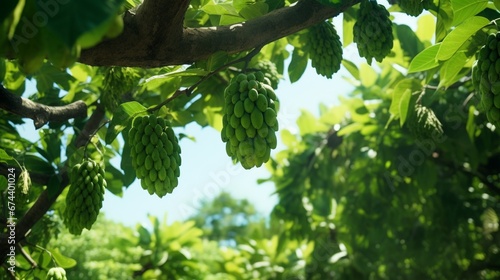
(190, 90)
(27, 256)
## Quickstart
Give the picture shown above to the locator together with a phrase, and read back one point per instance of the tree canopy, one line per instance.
(398, 181)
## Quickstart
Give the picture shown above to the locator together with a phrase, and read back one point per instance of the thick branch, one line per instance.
(135, 48)
(39, 113)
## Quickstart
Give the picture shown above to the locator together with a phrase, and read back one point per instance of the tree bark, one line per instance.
(39, 113)
(149, 40)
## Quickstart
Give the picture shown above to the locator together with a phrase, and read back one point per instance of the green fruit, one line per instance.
(56, 273)
(325, 49)
(249, 104)
(486, 80)
(412, 7)
(246, 121)
(270, 117)
(238, 109)
(373, 31)
(85, 196)
(261, 102)
(253, 94)
(155, 162)
(257, 119)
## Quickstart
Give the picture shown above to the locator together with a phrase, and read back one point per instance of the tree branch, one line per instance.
(39, 113)
(135, 48)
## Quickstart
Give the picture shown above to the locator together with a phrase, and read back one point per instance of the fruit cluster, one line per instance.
(325, 49)
(250, 120)
(373, 31)
(156, 154)
(270, 72)
(488, 75)
(424, 124)
(56, 273)
(85, 196)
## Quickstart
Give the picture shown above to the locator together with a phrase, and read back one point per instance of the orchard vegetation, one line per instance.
(398, 181)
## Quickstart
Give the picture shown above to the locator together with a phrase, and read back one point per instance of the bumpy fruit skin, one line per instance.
(56, 273)
(117, 81)
(424, 124)
(249, 131)
(85, 196)
(325, 49)
(156, 154)
(270, 72)
(412, 7)
(487, 75)
(373, 31)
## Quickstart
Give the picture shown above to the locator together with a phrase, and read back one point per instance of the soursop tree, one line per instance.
(201, 62)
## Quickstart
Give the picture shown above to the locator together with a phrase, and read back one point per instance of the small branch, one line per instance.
(39, 113)
(27, 256)
(190, 90)
(90, 127)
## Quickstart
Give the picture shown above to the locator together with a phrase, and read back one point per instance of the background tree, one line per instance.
(226, 219)
(398, 181)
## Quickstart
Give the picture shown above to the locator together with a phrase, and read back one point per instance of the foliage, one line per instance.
(400, 180)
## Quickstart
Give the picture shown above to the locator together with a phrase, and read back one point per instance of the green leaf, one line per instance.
(230, 19)
(122, 117)
(308, 123)
(287, 138)
(351, 67)
(413, 85)
(404, 103)
(38, 165)
(409, 41)
(156, 81)
(451, 69)
(219, 9)
(425, 60)
(471, 123)
(453, 41)
(426, 24)
(77, 17)
(216, 60)
(497, 4)
(464, 9)
(4, 157)
(62, 261)
(349, 19)
(367, 75)
(214, 117)
(298, 65)
(257, 9)
(351, 128)
(444, 19)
